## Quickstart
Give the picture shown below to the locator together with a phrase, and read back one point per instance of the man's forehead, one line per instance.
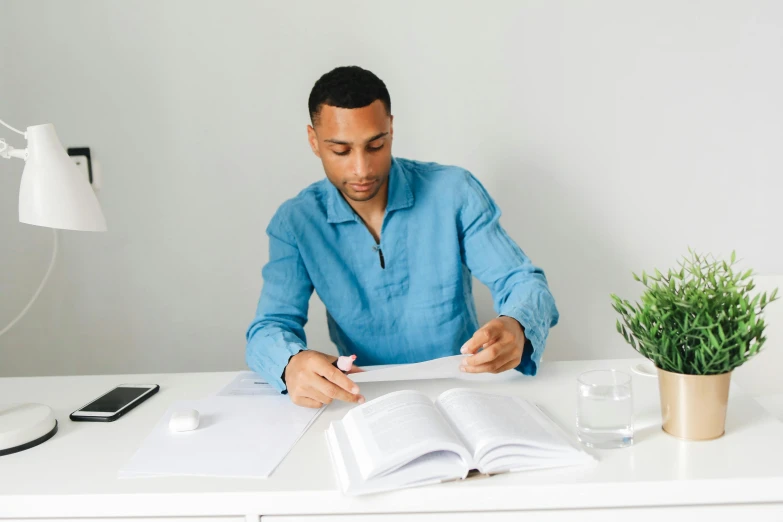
(375, 113)
(336, 124)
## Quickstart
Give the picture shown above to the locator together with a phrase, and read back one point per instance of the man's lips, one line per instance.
(362, 187)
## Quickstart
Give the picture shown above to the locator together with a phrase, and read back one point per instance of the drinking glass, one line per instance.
(604, 413)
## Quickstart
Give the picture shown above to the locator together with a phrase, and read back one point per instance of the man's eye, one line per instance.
(375, 149)
(343, 153)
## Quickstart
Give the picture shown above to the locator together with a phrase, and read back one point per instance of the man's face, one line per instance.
(355, 148)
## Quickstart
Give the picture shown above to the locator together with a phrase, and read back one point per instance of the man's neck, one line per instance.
(372, 212)
(374, 208)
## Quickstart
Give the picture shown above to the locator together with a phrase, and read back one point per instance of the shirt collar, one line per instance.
(400, 196)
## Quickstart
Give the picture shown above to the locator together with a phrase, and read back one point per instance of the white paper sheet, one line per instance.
(442, 368)
(247, 384)
(245, 437)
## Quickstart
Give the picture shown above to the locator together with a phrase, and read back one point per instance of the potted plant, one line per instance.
(696, 324)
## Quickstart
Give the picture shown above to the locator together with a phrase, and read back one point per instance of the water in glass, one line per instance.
(604, 416)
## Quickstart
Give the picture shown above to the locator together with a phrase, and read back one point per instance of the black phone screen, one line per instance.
(115, 399)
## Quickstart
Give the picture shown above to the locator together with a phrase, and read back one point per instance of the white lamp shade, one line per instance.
(54, 193)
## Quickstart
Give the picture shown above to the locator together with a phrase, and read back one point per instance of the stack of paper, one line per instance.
(243, 432)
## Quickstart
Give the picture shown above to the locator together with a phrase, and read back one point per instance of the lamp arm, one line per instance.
(40, 287)
(7, 151)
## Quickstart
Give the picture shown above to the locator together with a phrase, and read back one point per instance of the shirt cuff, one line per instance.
(535, 338)
(282, 374)
(272, 367)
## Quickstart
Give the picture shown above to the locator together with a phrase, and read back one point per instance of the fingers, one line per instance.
(475, 343)
(484, 356)
(306, 402)
(321, 391)
(314, 394)
(317, 395)
(509, 365)
(333, 391)
(498, 357)
(355, 369)
(313, 380)
(484, 336)
(491, 367)
(330, 373)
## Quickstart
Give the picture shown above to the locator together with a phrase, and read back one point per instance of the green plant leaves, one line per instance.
(700, 319)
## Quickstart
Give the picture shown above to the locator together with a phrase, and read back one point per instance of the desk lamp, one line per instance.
(53, 194)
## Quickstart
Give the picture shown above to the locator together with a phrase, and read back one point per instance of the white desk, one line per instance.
(74, 474)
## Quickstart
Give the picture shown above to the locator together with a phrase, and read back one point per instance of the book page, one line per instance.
(486, 421)
(391, 431)
(431, 468)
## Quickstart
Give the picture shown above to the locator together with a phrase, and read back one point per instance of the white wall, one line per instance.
(612, 133)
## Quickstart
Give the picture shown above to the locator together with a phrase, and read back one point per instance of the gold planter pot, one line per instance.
(693, 407)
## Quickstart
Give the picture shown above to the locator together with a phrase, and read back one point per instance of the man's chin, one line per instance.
(360, 196)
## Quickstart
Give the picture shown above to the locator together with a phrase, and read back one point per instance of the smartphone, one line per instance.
(116, 403)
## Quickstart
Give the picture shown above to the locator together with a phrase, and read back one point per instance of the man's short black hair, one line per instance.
(348, 87)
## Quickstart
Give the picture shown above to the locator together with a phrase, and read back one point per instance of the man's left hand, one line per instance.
(501, 340)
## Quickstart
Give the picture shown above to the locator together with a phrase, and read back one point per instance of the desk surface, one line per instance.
(75, 473)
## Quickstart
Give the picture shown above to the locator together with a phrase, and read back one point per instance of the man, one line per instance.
(390, 246)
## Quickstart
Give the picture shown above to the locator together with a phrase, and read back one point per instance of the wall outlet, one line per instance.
(81, 156)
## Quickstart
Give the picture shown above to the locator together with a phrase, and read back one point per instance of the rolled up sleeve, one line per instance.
(277, 331)
(519, 288)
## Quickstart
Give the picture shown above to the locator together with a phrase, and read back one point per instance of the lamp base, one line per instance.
(24, 426)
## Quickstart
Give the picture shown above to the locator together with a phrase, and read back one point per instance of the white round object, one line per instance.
(25, 425)
(185, 420)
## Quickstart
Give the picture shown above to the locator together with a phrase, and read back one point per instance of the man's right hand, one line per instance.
(313, 381)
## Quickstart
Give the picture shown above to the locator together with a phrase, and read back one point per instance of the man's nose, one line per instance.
(361, 165)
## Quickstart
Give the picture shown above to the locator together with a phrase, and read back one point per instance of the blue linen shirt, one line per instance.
(406, 299)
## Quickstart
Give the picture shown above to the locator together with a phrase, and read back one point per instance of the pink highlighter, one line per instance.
(345, 362)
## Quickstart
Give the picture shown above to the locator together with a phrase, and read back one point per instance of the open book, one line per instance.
(403, 439)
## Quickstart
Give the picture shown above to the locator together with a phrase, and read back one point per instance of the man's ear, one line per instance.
(313, 140)
(391, 127)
